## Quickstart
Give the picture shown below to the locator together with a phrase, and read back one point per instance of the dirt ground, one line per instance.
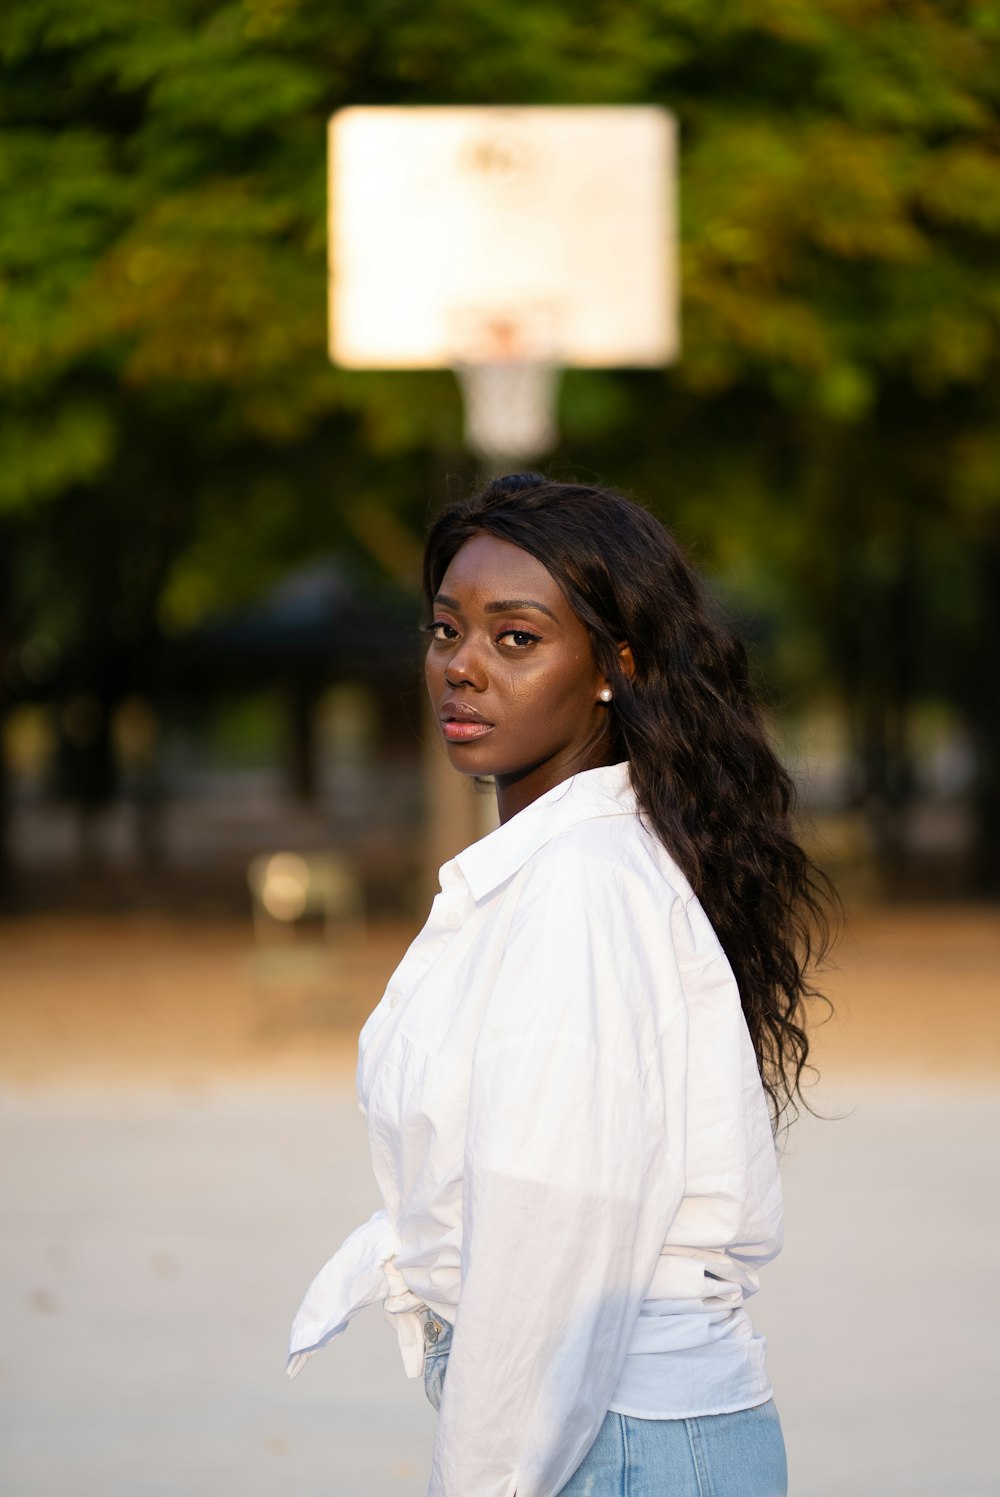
(133, 1000)
(182, 1150)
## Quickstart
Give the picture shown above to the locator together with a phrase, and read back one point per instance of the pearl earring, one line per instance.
(606, 694)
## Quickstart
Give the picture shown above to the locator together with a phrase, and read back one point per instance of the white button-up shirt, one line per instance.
(573, 1148)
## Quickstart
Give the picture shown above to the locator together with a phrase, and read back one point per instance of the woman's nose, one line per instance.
(466, 667)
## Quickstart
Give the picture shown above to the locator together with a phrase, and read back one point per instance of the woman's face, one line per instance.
(511, 674)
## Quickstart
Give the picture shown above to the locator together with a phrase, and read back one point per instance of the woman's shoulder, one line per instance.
(613, 872)
(622, 849)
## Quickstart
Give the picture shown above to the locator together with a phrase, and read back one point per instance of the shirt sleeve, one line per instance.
(352, 1279)
(573, 1173)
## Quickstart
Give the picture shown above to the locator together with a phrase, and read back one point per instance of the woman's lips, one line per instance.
(461, 732)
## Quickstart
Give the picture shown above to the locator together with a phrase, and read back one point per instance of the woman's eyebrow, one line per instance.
(504, 605)
(515, 605)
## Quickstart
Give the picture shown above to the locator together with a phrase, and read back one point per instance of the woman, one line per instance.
(567, 1080)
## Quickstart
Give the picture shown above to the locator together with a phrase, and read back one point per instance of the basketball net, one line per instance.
(510, 410)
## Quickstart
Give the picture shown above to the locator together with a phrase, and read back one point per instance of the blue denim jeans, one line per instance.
(716, 1455)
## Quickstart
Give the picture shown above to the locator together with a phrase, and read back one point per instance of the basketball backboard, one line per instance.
(469, 236)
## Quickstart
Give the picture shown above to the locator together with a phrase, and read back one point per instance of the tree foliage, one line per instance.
(172, 434)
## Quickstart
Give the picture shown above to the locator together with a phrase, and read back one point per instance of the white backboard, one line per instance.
(488, 234)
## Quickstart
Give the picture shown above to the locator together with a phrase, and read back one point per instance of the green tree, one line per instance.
(172, 435)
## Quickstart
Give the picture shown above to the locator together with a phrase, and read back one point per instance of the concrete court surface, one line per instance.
(154, 1244)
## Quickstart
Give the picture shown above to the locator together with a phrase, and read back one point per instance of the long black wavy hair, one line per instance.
(705, 776)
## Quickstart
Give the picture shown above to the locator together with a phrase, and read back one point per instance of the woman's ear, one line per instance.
(626, 659)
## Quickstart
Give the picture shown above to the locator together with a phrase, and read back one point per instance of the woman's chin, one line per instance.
(466, 760)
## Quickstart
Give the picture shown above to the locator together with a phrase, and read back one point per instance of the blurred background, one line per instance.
(216, 829)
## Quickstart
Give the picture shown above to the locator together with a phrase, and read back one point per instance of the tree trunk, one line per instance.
(302, 739)
(984, 717)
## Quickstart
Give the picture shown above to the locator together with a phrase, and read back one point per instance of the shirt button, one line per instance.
(453, 920)
(394, 1000)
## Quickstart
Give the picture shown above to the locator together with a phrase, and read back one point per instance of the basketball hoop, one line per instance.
(506, 244)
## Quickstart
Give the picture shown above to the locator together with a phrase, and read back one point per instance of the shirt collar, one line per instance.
(605, 791)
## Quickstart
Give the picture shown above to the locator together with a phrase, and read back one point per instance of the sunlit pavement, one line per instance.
(154, 1245)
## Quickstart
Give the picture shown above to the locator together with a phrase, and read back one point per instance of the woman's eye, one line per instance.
(520, 637)
(441, 631)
